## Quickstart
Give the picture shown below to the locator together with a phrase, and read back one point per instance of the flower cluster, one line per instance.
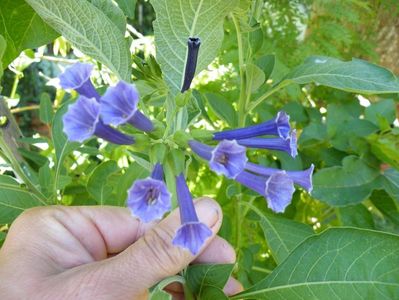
(229, 158)
(149, 199)
(93, 114)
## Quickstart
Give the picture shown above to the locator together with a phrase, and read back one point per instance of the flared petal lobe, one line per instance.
(77, 77)
(278, 126)
(149, 199)
(81, 119)
(192, 234)
(277, 188)
(119, 106)
(228, 158)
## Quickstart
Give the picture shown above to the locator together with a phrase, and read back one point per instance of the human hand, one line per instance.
(100, 253)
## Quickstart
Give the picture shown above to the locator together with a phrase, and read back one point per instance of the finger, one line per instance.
(219, 251)
(153, 257)
(232, 287)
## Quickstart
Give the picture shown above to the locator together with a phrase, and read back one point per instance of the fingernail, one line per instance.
(208, 211)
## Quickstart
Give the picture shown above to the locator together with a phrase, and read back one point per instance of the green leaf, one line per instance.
(128, 7)
(46, 112)
(113, 12)
(61, 144)
(98, 185)
(356, 216)
(347, 185)
(385, 146)
(175, 22)
(46, 180)
(22, 28)
(386, 205)
(356, 76)
(381, 109)
(390, 183)
(2, 238)
(158, 294)
(254, 76)
(199, 276)
(340, 263)
(14, 199)
(90, 30)
(266, 64)
(222, 108)
(282, 235)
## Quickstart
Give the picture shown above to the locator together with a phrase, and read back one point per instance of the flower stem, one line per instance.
(242, 102)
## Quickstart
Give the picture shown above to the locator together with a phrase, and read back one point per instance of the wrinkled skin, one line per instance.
(100, 253)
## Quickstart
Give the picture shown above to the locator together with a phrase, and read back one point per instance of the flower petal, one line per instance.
(81, 119)
(149, 199)
(192, 236)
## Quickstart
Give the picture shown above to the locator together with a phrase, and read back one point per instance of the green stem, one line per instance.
(267, 94)
(263, 270)
(15, 85)
(242, 102)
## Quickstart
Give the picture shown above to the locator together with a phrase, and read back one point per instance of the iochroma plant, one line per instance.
(149, 199)
(258, 104)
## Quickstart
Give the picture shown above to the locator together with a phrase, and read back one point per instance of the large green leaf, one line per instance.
(98, 185)
(350, 184)
(282, 235)
(128, 7)
(357, 76)
(340, 263)
(22, 28)
(222, 108)
(89, 29)
(175, 22)
(14, 199)
(201, 277)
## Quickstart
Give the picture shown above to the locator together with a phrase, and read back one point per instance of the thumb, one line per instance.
(153, 257)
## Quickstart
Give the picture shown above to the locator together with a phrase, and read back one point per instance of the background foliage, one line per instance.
(339, 242)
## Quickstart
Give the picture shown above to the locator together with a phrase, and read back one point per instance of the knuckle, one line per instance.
(162, 252)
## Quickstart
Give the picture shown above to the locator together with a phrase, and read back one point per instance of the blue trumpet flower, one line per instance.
(77, 77)
(149, 199)
(82, 121)
(277, 188)
(192, 234)
(278, 126)
(287, 145)
(227, 158)
(119, 106)
(302, 178)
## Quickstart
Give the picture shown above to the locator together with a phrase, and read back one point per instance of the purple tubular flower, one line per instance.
(82, 121)
(77, 77)
(192, 234)
(279, 126)
(289, 145)
(149, 199)
(277, 188)
(302, 178)
(119, 106)
(227, 158)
